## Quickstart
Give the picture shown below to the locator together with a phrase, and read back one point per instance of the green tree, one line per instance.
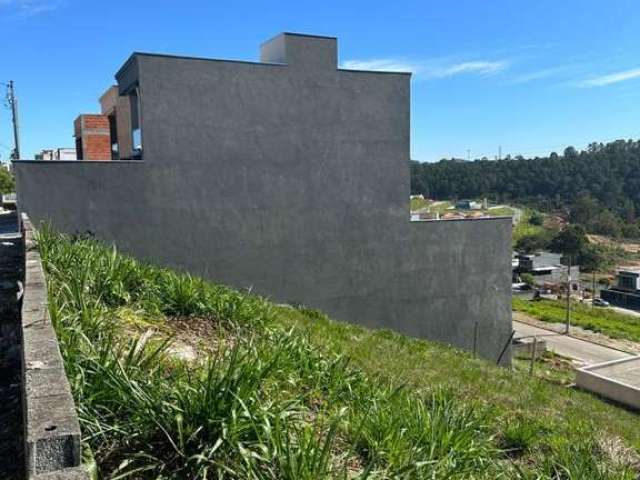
(536, 218)
(7, 183)
(532, 243)
(584, 209)
(570, 242)
(593, 259)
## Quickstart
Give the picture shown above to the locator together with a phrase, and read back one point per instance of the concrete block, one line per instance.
(76, 473)
(523, 348)
(617, 380)
(52, 433)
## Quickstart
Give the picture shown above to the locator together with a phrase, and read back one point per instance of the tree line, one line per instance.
(598, 188)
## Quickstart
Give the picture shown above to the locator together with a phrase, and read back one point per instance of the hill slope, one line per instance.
(605, 178)
(175, 377)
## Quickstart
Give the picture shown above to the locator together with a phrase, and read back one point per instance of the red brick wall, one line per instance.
(95, 121)
(97, 147)
(95, 137)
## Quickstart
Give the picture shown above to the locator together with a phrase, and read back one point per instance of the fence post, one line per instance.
(475, 339)
(533, 355)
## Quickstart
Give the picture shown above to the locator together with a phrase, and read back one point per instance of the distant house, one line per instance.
(468, 205)
(416, 197)
(56, 154)
(546, 268)
(626, 292)
(424, 213)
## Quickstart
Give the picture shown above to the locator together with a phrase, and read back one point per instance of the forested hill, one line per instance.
(602, 177)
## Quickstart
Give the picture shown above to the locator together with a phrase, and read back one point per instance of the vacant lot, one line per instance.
(175, 377)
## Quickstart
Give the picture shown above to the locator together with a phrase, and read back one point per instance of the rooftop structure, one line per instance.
(57, 154)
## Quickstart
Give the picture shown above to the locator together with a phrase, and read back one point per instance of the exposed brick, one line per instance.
(93, 137)
(95, 121)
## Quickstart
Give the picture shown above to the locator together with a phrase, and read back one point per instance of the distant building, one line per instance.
(226, 147)
(546, 267)
(418, 197)
(424, 213)
(118, 109)
(57, 154)
(109, 134)
(468, 205)
(626, 292)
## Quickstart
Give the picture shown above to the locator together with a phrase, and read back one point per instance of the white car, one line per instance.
(598, 302)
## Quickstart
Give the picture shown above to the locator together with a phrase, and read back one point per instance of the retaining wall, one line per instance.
(51, 427)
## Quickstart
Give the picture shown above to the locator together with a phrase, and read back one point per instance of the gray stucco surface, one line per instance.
(290, 179)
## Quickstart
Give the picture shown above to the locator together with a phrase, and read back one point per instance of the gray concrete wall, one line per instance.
(291, 179)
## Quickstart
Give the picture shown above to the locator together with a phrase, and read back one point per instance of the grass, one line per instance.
(602, 320)
(435, 206)
(286, 393)
(525, 228)
(500, 212)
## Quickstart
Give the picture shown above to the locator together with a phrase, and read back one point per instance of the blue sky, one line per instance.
(532, 76)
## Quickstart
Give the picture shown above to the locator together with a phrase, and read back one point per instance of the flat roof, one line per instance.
(629, 271)
(251, 62)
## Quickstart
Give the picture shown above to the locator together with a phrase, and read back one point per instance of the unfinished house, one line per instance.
(289, 176)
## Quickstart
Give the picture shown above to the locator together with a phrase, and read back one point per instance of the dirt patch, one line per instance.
(191, 338)
(627, 245)
(619, 454)
(202, 336)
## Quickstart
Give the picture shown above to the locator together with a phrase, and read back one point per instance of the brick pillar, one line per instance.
(93, 137)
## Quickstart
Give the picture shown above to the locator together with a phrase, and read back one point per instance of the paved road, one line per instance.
(581, 350)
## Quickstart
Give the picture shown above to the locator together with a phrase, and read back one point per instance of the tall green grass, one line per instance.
(267, 404)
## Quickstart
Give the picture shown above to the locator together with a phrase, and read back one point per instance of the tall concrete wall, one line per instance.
(292, 179)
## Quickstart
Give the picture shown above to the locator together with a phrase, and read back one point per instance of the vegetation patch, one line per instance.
(286, 393)
(602, 320)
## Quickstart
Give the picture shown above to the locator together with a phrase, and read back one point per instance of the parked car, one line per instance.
(598, 302)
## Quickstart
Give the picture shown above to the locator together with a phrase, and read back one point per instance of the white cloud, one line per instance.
(429, 68)
(477, 67)
(29, 8)
(381, 64)
(611, 78)
(538, 74)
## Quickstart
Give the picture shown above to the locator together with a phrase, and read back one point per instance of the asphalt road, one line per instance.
(586, 352)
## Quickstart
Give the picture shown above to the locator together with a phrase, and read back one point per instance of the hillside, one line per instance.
(600, 185)
(175, 377)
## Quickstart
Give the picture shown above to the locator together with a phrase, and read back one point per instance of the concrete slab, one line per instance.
(617, 380)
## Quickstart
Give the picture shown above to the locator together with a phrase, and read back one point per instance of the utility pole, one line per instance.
(499, 152)
(13, 104)
(568, 315)
(468, 154)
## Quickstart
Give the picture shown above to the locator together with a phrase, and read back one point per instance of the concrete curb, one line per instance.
(51, 426)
